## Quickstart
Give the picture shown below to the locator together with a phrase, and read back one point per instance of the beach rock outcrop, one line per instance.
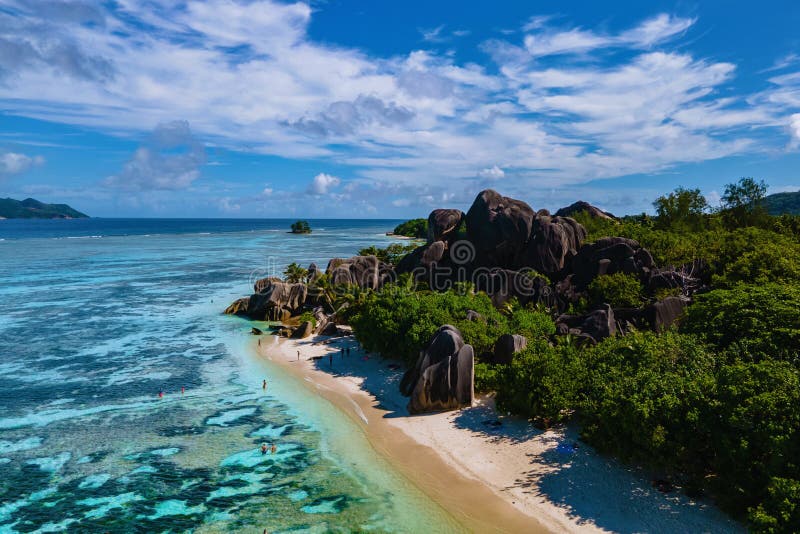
(553, 241)
(608, 256)
(366, 272)
(443, 224)
(263, 283)
(238, 307)
(498, 227)
(507, 346)
(584, 207)
(444, 375)
(277, 301)
(304, 330)
(593, 326)
(663, 314)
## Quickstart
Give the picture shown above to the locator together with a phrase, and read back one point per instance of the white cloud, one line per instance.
(12, 163)
(492, 173)
(322, 184)
(573, 41)
(169, 160)
(794, 126)
(411, 120)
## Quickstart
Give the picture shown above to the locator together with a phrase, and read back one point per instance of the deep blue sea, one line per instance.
(98, 316)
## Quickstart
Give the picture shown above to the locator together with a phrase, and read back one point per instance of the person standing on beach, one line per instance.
(264, 385)
(298, 355)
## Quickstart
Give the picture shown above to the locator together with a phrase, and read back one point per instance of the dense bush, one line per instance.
(391, 254)
(752, 322)
(620, 290)
(413, 228)
(714, 406)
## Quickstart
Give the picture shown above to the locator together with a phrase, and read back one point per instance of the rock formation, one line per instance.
(507, 346)
(443, 224)
(499, 227)
(584, 207)
(366, 272)
(444, 376)
(276, 301)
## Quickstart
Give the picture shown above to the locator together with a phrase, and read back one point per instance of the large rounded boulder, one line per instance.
(444, 375)
(443, 224)
(499, 228)
(366, 272)
(554, 241)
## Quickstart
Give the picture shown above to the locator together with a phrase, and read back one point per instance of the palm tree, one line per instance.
(295, 274)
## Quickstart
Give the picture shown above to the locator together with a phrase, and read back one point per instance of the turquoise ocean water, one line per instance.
(98, 316)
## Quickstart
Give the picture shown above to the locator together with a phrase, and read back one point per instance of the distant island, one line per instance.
(783, 203)
(301, 227)
(33, 209)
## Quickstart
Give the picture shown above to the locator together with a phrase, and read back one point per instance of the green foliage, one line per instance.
(683, 209)
(295, 274)
(413, 228)
(743, 203)
(620, 290)
(541, 383)
(307, 316)
(301, 227)
(397, 322)
(391, 254)
(753, 322)
(780, 509)
(644, 396)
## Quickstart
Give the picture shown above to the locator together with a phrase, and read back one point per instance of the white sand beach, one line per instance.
(492, 472)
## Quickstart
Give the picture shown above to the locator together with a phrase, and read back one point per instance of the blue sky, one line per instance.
(229, 108)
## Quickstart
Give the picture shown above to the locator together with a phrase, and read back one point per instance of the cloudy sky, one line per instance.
(344, 108)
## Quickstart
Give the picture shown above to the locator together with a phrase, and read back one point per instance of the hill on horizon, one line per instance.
(33, 209)
(780, 203)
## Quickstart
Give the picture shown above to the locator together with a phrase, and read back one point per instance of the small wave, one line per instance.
(83, 237)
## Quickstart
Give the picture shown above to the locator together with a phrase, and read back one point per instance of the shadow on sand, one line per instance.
(590, 488)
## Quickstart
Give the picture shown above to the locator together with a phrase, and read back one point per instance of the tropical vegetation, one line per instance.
(712, 404)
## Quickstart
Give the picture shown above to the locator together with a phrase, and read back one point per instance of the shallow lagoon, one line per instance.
(92, 330)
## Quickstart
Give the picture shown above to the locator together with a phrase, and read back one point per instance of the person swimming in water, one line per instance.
(263, 448)
(274, 449)
(264, 385)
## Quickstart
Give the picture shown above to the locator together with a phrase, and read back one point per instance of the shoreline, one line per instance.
(490, 472)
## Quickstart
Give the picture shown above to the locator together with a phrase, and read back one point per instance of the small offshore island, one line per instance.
(669, 343)
(33, 209)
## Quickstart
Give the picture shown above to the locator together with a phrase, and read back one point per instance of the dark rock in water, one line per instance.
(303, 331)
(554, 240)
(366, 272)
(499, 228)
(239, 307)
(664, 313)
(443, 224)
(507, 346)
(444, 376)
(585, 207)
(255, 331)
